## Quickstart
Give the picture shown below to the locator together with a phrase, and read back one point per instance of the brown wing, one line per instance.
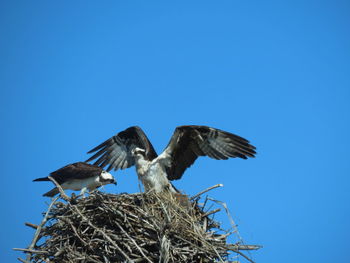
(117, 151)
(190, 142)
(72, 171)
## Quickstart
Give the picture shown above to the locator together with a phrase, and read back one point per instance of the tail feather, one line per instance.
(41, 179)
(52, 192)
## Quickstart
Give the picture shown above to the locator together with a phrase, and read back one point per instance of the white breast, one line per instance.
(153, 174)
(76, 185)
(156, 178)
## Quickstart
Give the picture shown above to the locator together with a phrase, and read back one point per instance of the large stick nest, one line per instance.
(131, 228)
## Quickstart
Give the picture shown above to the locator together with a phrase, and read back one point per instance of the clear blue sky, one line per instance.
(73, 73)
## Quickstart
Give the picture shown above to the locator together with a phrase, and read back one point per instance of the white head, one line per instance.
(107, 178)
(138, 152)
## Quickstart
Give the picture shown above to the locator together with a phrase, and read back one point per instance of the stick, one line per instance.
(137, 246)
(76, 232)
(206, 190)
(37, 232)
(246, 257)
(22, 260)
(31, 250)
(211, 212)
(233, 224)
(31, 225)
(103, 233)
(236, 247)
(63, 194)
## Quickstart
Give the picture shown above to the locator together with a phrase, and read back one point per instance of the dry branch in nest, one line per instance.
(131, 228)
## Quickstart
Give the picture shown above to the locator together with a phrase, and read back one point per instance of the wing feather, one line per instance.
(79, 170)
(116, 152)
(190, 142)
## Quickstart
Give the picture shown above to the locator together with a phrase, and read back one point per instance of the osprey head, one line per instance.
(107, 178)
(138, 151)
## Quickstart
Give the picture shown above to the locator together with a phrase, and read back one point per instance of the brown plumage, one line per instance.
(77, 176)
(132, 147)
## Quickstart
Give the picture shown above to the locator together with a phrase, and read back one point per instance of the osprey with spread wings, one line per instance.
(132, 147)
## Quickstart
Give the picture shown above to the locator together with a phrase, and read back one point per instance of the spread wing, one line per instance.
(116, 152)
(73, 171)
(190, 142)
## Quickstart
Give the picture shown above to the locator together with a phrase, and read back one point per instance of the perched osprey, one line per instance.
(78, 176)
(132, 147)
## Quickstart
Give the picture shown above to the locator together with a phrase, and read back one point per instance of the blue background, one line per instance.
(73, 73)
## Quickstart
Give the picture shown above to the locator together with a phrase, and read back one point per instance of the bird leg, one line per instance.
(82, 192)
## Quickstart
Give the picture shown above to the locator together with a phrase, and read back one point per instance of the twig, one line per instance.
(211, 212)
(76, 232)
(22, 260)
(233, 224)
(63, 194)
(31, 250)
(236, 247)
(140, 249)
(103, 233)
(164, 250)
(31, 225)
(246, 257)
(37, 232)
(206, 190)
